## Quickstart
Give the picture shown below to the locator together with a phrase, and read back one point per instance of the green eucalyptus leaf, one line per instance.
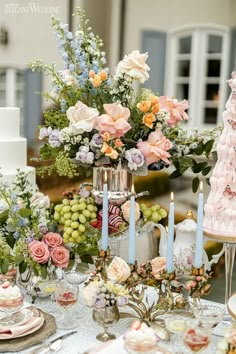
(10, 240)
(19, 258)
(175, 174)
(4, 265)
(208, 146)
(199, 167)
(195, 184)
(25, 213)
(206, 170)
(200, 149)
(10, 227)
(214, 155)
(185, 163)
(44, 271)
(22, 267)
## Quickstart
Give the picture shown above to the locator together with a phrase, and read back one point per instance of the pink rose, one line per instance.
(126, 211)
(60, 256)
(134, 65)
(118, 270)
(39, 251)
(90, 293)
(115, 121)
(155, 148)
(158, 266)
(175, 108)
(52, 239)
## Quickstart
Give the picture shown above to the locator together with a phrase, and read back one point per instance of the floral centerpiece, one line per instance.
(25, 236)
(100, 120)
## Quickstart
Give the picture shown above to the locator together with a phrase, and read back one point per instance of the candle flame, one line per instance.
(201, 187)
(132, 189)
(171, 196)
(105, 176)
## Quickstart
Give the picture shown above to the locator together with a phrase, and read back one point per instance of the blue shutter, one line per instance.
(32, 104)
(154, 42)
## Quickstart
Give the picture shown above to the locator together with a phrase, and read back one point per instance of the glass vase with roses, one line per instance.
(99, 120)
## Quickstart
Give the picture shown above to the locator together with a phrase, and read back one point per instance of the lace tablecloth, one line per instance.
(87, 330)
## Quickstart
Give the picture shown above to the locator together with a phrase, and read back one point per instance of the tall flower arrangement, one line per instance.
(100, 120)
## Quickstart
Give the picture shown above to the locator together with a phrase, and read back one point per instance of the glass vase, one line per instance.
(105, 317)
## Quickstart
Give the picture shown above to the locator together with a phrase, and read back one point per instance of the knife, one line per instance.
(47, 345)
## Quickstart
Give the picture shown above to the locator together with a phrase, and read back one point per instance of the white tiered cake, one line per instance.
(220, 209)
(13, 148)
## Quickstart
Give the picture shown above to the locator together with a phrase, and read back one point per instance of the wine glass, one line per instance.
(66, 296)
(196, 337)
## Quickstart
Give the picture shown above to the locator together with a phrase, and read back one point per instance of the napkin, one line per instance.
(12, 332)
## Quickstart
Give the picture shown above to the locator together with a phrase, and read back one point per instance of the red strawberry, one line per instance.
(6, 285)
(94, 223)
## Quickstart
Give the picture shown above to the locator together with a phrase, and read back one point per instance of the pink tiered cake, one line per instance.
(220, 209)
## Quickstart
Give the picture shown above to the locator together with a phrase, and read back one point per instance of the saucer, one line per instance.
(16, 319)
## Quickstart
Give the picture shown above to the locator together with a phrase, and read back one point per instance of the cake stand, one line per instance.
(229, 247)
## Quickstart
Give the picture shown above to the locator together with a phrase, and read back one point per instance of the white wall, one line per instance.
(169, 14)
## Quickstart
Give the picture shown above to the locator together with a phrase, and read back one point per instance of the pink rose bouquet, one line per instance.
(100, 120)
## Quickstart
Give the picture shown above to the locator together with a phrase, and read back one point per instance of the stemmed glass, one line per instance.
(196, 337)
(105, 317)
(66, 296)
(209, 314)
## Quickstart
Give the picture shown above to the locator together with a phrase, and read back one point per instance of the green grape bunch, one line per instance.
(154, 213)
(74, 215)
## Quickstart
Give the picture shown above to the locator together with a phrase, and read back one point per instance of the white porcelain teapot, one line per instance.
(184, 246)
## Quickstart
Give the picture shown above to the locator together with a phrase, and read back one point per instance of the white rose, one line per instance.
(134, 65)
(90, 292)
(39, 200)
(125, 208)
(81, 118)
(118, 270)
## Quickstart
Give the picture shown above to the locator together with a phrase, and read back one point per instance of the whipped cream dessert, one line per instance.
(141, 339)
(10, 296)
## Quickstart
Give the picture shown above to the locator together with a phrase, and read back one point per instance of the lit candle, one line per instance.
(170, 237)
(199, 235)
(132, 233)
(105, 215)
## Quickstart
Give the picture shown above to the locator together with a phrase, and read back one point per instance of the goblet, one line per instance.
(66, 296)
(196, 337)
(105, 317)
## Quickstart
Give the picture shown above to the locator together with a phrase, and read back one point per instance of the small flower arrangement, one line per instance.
(25, 237)
(100, 120)
(228, 344)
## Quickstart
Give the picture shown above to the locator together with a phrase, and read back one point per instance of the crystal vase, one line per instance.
(105, 317)
(119, 182)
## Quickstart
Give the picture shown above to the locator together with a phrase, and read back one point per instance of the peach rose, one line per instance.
(60, 256)
(52, 239)
(103, 75)
(158, 266)
(148, 120)
(134, 65)
(154, 99)
(118, 143)
(118, 270)
(155, 148)
(114, 121)
(106, 136)
(81, 118)
(96, 80)
(109, 151)
(175, 108)
(156, 108)
(125, 208)
(39, 251)
(144, 106)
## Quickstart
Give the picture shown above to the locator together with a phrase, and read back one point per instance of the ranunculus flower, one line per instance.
(134, 65)
(155, 148)
(118, 270)
(144, 106)
(122, 301)
(60, 256)
(126, 211)
(114, 121)
(39, 200)
(39, 251)
(99, 302)
(158, 266)
(175, 108)
(53, 239)
(109, 151)
(90, 293)
(149, 119)
(81, 118)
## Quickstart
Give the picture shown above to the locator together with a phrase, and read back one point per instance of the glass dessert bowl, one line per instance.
(11, 298)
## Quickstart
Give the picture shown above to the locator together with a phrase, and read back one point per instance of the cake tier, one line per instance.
(9, 122)
(9, 176)
(13, 153)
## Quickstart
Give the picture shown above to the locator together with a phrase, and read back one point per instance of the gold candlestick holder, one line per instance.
(103, 260)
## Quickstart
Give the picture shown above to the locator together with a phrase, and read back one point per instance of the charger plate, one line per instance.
(18, 344)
